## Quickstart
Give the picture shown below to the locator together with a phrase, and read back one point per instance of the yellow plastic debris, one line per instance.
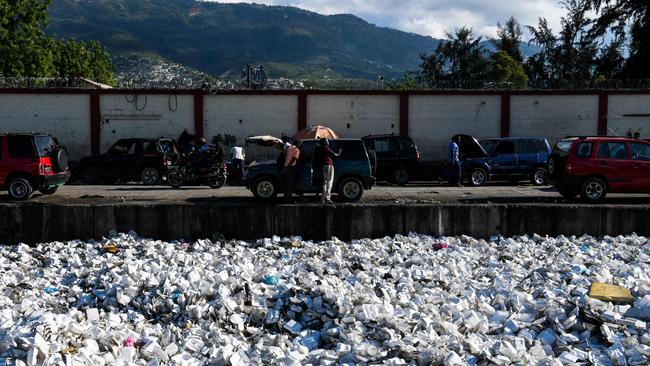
(111, 248)
(607, 292)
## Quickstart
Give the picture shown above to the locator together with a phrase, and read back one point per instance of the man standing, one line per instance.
(238, 157)
(290, 166)
(324, 160)
(454, 163)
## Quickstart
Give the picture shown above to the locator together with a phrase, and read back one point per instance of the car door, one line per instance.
(387, 150)
(526, 156)
(613, 163)
(640, 155)
(118, 162)
(504, 160)
(305, 168)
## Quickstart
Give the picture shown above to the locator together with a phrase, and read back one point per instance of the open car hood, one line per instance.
(265, 140)
(469, 147)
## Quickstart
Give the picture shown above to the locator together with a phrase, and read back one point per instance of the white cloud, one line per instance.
(434, 17)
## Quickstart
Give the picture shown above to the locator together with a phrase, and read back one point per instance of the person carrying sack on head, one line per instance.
(324, 160)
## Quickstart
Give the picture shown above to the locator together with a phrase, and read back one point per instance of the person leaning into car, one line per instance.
(289, 169)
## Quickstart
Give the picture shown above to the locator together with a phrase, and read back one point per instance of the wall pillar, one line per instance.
(603, 104)
(198, 114)
(95, 123)
(505, 115)
(302, 110)
(404, 114)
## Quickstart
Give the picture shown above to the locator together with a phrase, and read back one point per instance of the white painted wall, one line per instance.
(365, 114)
(150, 115)
(433, 120)
(553, 116)
(249, 115)
(624, 114)
(65, 116)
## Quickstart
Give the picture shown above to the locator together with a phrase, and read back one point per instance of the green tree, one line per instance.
(507, 69)
(23, 45)
(625, 17)
(459, 59)
(509, 38)
(610, 62)
(570, 55)
(25, 50)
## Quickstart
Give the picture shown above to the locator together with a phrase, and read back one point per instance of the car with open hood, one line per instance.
(352, 170)
(511, 159)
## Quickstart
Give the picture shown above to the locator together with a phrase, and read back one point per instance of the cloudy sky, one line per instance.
(434, 17)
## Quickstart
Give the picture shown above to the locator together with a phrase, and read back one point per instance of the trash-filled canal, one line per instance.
(398, 300)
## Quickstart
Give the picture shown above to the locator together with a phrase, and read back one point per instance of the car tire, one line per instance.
(60, 161)
(350, 189)
(48, 190)
(478, 177)
(174, 178)
(265, 188)
(400, 175)
(90, 175)
(150, 176)
(539, 176)
(568, 193)
(593, 190)
(20, 189)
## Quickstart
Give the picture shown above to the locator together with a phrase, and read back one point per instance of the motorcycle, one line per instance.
(185, 169)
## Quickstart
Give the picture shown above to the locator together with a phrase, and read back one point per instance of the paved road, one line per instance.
(431, 193)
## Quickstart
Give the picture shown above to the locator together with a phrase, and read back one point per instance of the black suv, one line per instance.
(136, 159)
(397, 157)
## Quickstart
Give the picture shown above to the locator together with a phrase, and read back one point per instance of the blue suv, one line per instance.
(511, 158)
(352, 172)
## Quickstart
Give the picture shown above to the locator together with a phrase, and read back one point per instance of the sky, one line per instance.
(434, 17)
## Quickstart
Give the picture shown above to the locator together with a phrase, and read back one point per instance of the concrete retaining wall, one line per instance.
(431, 118)
(33, 223)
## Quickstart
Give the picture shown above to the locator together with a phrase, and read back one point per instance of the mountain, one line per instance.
(223, 38)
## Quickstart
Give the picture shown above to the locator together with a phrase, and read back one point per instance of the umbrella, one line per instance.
(315, 132)
(265, 140)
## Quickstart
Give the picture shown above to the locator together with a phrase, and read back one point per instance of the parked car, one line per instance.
(137, 159)
(31, 162)
(594, 166)
(352, 172)
(512, 159)
(397, 157)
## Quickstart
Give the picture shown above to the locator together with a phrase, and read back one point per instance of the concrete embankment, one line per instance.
(39, 222)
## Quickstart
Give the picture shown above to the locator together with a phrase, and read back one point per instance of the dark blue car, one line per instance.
(512, 159)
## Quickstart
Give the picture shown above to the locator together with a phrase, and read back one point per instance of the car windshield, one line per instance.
(489, 146)
(44, 145)
(562, 147)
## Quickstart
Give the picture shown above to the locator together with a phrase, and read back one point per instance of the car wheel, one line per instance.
(351, 190)
(593, 190)
(401, 175)
(90, 175)
(265, 188)
(150, 176)
(539, 177)
(478, 177)
(20, 189)
(568, 192)
(48, 191)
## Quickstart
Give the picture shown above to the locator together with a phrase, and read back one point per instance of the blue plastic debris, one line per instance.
(175, 295)
(271, 280)
(51, 290)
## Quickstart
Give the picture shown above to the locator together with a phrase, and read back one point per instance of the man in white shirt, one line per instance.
(238, 158)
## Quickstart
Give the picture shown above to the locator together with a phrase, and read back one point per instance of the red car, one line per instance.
(594, 166)
(30, 162)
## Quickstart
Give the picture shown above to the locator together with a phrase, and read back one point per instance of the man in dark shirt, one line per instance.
(324, 160)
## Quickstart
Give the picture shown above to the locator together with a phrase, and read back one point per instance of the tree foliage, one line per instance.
(506, 69)
(26, 51)
(623, 18)
(509, 38)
